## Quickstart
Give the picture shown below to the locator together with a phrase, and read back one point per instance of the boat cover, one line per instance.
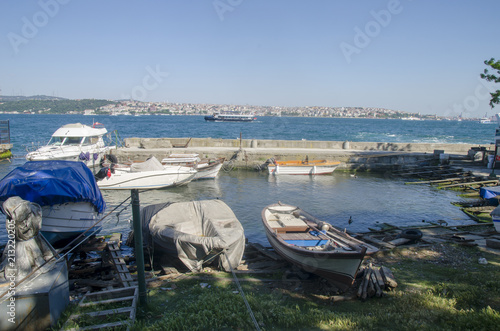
(52, 182)
(195, 231)
(151, 164)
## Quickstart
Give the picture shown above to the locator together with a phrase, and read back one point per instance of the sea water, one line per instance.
(369, 200)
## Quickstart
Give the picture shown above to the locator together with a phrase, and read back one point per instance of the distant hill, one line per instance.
(52, 106)
(33, 97)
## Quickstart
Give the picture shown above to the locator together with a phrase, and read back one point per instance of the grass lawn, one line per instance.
(441, 287)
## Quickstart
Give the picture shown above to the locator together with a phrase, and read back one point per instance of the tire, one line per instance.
(413, 234)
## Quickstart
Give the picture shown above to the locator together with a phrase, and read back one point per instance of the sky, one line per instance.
(420, 56)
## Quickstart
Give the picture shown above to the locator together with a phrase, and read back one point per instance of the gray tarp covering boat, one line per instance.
(151, 164)
(194, 232)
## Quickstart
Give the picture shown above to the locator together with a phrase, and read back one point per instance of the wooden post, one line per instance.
(139, 254)
(492, 175)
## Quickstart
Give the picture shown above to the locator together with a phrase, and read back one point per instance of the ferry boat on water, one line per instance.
(218, 117)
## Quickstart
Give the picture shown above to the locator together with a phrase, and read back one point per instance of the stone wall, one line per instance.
(152, 143)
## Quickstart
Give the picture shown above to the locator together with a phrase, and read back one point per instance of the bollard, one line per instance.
(139, 254)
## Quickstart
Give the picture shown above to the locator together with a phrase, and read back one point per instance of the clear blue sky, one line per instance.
(416, 56)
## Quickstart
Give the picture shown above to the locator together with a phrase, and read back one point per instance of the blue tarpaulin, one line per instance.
(307, 242)
(489, 192)
(52, 182)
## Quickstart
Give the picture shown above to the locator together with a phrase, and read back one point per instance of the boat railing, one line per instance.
(113, 138)
(33, 146)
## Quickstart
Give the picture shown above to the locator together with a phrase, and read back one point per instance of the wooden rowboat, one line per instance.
(297, 167)
(314, 246)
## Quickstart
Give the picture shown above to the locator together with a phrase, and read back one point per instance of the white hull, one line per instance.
(301, 170)
(69, 154)
(208, 171)
(125, 180)
(330, 254)
(65, 220)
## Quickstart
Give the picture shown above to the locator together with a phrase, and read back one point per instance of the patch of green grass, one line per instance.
(442, 287)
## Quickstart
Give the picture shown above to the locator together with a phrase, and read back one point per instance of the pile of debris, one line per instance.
(374, 281)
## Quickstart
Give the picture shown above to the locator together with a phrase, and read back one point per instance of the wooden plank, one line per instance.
(93, 303)
(388, 277)
(94, 282)
(105, 325)
(287, 229)
(471, 183)
(125, 310)
(117, 292)
(378, 242)
(399, 241)
(436, 181)
(379, 278)
(378, 290)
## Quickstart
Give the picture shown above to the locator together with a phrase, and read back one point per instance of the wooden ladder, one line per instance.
(118, 261)
(127, 295)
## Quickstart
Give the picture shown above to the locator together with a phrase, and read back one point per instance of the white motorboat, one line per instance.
(74, 142)
(150, 174)
(206, 168)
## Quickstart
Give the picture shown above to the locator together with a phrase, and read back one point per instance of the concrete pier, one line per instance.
(249, 153)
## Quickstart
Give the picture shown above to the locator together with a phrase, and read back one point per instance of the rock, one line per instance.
(482, 260)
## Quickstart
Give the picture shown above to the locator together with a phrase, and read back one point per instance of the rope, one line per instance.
(243, 295)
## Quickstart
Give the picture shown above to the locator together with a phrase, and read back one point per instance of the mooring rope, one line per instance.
(243, 295)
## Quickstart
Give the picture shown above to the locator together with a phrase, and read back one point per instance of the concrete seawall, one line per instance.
(250, 153)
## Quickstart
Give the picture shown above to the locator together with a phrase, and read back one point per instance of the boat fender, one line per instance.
(324, 226)
(84, 156)
(102, 173)
(112, 158)
(413, 234)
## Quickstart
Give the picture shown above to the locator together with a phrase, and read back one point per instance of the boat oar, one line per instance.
(336, 240)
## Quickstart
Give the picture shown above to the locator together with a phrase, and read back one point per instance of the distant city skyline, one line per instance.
(411, 56)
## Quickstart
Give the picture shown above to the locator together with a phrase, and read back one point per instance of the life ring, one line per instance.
(413, 234)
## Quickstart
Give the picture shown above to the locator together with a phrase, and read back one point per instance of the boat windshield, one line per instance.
(66, 141)
(90, 140)
(56, 141)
